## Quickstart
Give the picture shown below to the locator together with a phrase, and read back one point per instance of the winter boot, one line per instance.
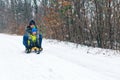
(28, 50)
(41, 49)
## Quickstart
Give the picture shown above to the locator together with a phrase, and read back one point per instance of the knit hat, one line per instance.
(34, 30)
(32, 22)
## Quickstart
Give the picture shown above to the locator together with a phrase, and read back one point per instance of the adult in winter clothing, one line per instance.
(32, 35)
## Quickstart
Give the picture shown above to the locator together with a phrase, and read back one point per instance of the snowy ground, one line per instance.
(58, 61)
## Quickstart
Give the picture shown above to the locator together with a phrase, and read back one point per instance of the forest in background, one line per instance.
(88, 22)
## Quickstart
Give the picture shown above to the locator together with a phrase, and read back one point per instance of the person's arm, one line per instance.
(28, 30)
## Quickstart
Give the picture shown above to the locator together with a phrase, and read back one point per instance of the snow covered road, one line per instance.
(58, 61)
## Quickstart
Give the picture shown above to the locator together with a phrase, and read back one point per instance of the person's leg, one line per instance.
(39, 41)
(26, 43)
(25, 40)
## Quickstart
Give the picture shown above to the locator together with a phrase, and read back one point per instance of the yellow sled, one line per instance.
(34, 49)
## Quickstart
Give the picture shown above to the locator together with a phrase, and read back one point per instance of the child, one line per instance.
(33, 38)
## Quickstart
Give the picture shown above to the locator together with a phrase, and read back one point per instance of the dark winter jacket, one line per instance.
(29, 29)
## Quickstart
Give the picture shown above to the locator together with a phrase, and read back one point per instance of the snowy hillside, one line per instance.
(58, 61)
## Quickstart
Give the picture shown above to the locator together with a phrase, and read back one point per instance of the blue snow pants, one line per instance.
(26, 38)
